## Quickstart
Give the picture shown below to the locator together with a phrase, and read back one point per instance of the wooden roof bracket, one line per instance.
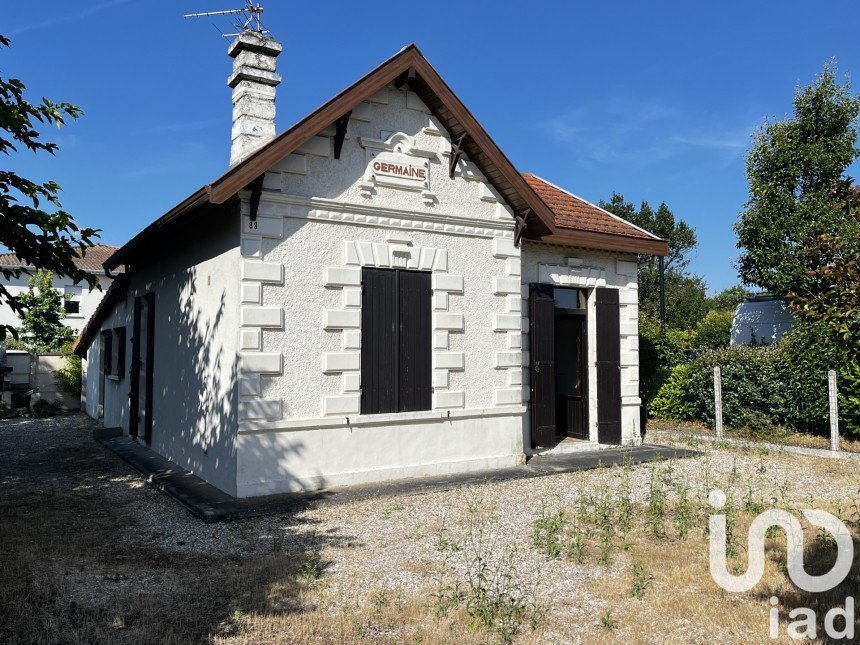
(256, 193)
(456, 153)
(521, 223)
(406, 77)
(340, 127)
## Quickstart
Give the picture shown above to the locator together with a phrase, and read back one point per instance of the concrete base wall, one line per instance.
(379, 448)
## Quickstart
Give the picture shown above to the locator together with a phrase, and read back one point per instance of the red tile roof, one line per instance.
(573, 212)
(92, 259)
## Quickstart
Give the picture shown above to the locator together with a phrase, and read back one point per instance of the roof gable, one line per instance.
(410, 67)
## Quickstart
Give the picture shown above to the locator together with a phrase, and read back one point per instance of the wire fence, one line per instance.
(726, 406)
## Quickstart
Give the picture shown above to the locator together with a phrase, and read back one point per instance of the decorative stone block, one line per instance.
(514, 341)
(262, 271)
(446, 282)
(440, 340)
(453, 322)
(250, 339)
(513, 267)
(341, 361)
(350, 253)
(504, 360)
(448, 360)
(262, 317)
(351, 382)
(341, 277)
(317, 145)
(514, 304)
(507, 322)
(508, 396)
(515, 377)
(362, 112)
(252, 293)
(261, 363)
(260, 409)
(351, 339)
(440, 262)
(352, 297)
(504, 286)
(345, 404)
(252, 246)
(449, 399)
(342, 319)
(293, 164)
(270, 227)
(440, 379)
(503, 247)
(250, 385)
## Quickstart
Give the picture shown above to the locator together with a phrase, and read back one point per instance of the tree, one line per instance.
(714, 331)
(727, 299)
(685, 294)
(42, 239)
(798, 190)
(42, 328)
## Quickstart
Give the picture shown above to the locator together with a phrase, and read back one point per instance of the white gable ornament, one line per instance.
(396, 162)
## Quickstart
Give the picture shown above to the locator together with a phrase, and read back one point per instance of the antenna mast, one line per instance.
(251, 19)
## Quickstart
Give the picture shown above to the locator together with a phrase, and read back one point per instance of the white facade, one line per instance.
(88, 300)
(761, 322)
(258, 323)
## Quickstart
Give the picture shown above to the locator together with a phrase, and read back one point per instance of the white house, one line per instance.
(374, 293)
(79, 302)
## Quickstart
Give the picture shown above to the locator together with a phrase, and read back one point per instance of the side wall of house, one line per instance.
(571, 267)
(195, 395)
(321, 220)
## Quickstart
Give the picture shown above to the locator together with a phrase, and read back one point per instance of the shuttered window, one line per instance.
(396, 350)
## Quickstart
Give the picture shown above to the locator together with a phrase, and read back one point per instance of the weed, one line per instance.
(641, 581)
(608, 621)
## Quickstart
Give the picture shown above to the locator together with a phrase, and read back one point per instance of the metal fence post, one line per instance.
(833, 400)
(718, 401)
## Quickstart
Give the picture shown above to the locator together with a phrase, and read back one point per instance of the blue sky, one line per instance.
(654, 100)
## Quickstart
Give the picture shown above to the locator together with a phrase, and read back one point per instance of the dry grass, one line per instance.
(79, 562)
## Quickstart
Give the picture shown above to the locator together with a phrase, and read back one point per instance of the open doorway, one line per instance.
(571, 372)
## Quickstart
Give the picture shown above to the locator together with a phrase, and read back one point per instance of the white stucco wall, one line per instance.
(320, 220)
(195, 394)
(761, 322)
(572, 267)
(89, 300)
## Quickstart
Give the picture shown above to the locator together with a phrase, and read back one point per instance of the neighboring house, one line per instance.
(760, 320)
(78, 300)
(375, 293)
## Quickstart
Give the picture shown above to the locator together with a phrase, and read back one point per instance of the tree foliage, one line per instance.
(798, 190)
(686, 296)
(42, 239)
(42, 328)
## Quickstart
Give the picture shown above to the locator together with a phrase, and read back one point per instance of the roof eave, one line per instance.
(605, 242)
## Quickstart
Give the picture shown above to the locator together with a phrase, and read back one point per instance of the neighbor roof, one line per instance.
(92, 259)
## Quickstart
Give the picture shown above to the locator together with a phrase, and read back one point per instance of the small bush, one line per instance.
(714, 331)
(41, 409)
(70, 377)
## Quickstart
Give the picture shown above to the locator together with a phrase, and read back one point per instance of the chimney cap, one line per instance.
(256, 42)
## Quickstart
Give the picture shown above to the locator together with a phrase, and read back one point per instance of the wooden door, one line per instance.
(141, 372)
(608, 314)
(542, 364)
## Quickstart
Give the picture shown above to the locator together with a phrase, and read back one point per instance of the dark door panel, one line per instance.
(608, 317)
(542, 364)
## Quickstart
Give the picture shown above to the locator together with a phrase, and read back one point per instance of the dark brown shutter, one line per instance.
(379, 343)
(608, 366)
(150, 355)
(542, 363)
(107, 352)
(134, 373)
(416, 351)
(120, 351)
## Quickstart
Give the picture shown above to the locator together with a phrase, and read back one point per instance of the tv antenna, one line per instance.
(249, 18)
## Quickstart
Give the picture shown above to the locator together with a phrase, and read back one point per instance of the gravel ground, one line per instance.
(365, 545)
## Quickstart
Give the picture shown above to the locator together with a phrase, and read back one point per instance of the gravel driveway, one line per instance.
(364, 545)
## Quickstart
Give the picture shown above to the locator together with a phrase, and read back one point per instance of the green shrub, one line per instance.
(714, 331)
(673, 400)
(41, 409)
(70, 377)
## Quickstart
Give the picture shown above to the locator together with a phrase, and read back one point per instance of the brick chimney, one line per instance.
(253, 80)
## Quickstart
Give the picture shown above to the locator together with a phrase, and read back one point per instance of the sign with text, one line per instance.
(395, 169)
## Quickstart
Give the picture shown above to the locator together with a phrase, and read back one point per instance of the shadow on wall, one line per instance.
(196, 364)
